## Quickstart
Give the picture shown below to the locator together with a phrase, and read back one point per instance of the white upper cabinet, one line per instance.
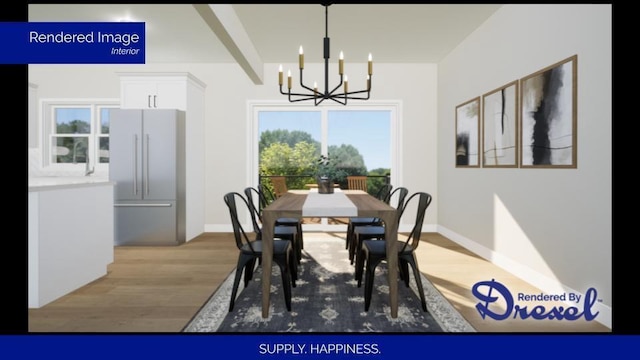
(156, 90)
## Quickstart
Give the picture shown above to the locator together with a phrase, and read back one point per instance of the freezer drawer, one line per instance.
(147, 223)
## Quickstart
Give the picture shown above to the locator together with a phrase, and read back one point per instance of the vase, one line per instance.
(325, 185)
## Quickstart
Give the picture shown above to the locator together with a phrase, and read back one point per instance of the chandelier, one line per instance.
(320, 96)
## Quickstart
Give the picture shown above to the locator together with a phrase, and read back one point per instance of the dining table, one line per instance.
(342, 203)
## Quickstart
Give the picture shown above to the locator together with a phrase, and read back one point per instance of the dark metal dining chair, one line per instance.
(374, 231)
(373, 252)
(279, 231)
(251, 251)
(384, 194)
(266, 198)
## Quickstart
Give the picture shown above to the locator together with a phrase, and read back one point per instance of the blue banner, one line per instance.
(316, 346)
(72, 43)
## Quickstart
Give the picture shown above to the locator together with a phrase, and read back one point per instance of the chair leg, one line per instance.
(361, 257)
(416, 274)
(355, 247)
(298, 246)
(286, 280)
(301, 237)
(243, 261)
(372, 263)
(293, 268)
(349, 236)
(404, 271)
(248, 273)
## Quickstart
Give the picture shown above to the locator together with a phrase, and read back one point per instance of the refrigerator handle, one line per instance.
(135, 164)
(146, 161)
(149, 101)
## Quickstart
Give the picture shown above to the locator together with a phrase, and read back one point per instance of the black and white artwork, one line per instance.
(548, 118)
(500, 127)
(467, 133)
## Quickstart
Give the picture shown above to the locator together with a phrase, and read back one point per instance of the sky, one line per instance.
(368, 131)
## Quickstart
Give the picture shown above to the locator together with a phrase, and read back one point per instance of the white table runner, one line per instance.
(328, 205)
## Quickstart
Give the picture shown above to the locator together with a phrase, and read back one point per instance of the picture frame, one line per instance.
(467, 144)
(548, 119)
(500, 127)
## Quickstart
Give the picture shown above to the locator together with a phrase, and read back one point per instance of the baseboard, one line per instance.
(544, 283)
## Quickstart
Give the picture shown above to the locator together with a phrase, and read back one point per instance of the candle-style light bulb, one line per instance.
(280, 75)
(341, 63)
(289, 79)
(301, 58)
(370, 64)
(346, 84)
(315, 88)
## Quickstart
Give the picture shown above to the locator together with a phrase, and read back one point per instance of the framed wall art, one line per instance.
(500, 127)
(549, 116)
(467, 133)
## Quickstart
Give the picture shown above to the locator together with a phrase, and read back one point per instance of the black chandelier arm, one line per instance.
(320, 97)
(331, 95)
(306, 96)
(337, 86)
(320, 94)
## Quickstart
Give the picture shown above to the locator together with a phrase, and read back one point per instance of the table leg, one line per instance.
(268, 222)
(391, 236)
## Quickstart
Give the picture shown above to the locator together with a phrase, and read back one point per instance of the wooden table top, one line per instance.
(291, 203)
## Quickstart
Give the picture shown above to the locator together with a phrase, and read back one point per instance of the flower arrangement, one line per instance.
(325, 185)
(323, 166)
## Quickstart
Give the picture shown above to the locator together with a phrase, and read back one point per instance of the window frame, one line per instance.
(395, 137)
(47, 125)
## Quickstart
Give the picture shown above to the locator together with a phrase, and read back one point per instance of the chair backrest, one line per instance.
(357, 182)
(279, 185)
(424, 200)
(384, 192)
(402, 195)
(267, 194)
(252, 196)
(238, 232)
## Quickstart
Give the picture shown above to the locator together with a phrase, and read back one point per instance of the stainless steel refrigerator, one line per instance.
(147, 162)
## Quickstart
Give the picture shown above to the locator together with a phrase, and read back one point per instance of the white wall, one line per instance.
(552, 227)
(227, 95)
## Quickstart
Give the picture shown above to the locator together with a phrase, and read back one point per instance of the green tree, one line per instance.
(291, 138)
(375, 183)
(74, 127)
(284, 152)
(345, 160)
(281, 159)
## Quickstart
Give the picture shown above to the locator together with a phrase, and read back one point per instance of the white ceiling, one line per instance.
(401, 33)
(253, 34)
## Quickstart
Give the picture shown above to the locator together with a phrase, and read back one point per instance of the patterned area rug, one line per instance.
(326, 299)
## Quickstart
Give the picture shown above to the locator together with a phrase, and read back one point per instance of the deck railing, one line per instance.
(298, 181)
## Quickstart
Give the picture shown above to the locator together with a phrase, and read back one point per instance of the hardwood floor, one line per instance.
(159, 289)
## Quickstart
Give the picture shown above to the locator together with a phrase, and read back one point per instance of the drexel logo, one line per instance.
(493, 296)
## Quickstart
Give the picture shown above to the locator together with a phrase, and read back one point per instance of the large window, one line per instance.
(76, 132)
(359, 140)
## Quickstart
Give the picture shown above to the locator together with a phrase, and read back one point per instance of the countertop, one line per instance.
(46, 183)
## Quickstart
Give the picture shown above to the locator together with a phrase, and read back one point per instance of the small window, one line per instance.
(76, 132)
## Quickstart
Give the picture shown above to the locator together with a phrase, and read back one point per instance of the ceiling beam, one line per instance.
(224, 22)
